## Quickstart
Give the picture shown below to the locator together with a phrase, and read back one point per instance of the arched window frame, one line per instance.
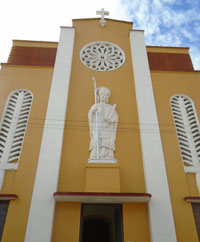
(14, 123)
(188, 132)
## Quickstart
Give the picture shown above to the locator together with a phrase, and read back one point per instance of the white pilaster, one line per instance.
(40, 221)
(160, 210)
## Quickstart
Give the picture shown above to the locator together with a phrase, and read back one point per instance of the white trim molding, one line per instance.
(161, 219)
(98, 197)
(192, 199)
(41, 215)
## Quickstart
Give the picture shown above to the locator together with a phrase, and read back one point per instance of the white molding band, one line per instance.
(192, 199)
(41, 215)
(160, 211)
(98, 197)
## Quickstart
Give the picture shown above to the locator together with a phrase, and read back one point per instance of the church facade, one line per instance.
(99, 138)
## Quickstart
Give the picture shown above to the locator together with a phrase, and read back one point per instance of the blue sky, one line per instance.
(166, 22)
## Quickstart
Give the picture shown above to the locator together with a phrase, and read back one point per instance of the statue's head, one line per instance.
(103, 93)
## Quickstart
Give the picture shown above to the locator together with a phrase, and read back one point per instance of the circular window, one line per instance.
(102, 56)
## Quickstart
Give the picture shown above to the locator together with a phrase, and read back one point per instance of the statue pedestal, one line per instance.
(102, 177)
(102, 160)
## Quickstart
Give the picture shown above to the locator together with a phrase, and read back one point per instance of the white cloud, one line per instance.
(168, 23)
(170, 1)
(188, 34)
(197, 29)
(195, 54)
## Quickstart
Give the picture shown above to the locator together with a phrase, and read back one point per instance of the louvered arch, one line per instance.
(187, 128)
(13, 124)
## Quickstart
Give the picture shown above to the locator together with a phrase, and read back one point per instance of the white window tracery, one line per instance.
(13, 125)
(102, 56)
(188, 132)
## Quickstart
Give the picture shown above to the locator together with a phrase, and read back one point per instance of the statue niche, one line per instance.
(103, 121)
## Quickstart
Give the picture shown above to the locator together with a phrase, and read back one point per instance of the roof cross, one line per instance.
(102, 13)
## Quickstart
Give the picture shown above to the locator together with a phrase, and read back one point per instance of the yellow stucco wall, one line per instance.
(102, 178)
(20, 182)
(174, 50)
(165, 85)
(135, 222)
(29, 43)
(76, 138)
(66, 222)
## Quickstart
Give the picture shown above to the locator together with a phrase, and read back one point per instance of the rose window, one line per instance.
(102, 56)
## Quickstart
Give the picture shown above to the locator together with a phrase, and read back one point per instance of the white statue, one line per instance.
(103, 121)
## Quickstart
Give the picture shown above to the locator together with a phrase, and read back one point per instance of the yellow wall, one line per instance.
(135, 222)
(159, 49)
(20, 182)
(76, 138)
(102, 178)
(29, 43)
(66, 222)
(165, 85)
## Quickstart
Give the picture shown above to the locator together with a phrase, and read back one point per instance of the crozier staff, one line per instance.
(95, 97)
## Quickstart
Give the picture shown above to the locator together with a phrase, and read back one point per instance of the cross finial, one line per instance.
(102, 13)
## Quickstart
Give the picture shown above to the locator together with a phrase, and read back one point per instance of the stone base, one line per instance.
(102, 178)
(102, 160)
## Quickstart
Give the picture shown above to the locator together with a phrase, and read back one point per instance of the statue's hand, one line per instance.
(94, 108)
(107, 120)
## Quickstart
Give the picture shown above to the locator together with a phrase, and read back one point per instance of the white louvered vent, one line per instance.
(13, 125)
(187, 128)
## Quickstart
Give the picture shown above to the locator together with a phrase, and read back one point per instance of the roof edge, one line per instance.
(35, 43)
(116, 20)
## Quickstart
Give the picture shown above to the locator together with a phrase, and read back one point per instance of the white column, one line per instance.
(41, 215)
(160, 210)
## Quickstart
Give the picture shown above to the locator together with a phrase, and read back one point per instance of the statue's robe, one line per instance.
(106, 130)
